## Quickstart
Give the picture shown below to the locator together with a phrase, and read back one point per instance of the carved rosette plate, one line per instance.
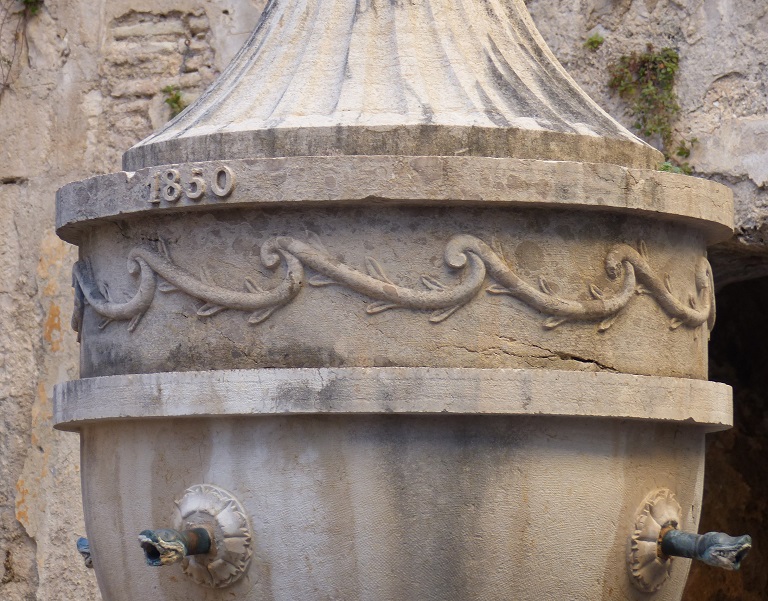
(648, 570)
(206, 505)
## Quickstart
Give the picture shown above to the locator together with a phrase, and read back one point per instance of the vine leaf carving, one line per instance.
(470, 256)
(135, 321)
(552, 322)
(162, 248)
(607, 322)
(251, 286)
(104, 289)
(675, 323)
(496, 289)
(545, 287)
(643, 248)
(438, 316)
(380, 307)
(209, 309)
(642, 289)
(498, 249)
(205, 276)
(164, 286)
(432, 283)
(321, 280)
(315, 241)
(374, 270)
(261, 315)
(668, 283)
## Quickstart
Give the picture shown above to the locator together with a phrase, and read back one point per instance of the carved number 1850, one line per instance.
(170, 185)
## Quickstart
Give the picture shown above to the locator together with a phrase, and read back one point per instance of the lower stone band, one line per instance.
(396, 390)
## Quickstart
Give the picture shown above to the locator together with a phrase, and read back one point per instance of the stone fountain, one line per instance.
(394, 311)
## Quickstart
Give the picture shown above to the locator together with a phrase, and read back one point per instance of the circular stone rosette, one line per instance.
(648, 569)
(208, 506)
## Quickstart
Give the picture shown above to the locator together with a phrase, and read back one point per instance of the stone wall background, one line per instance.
(722, 86)
(87, 85)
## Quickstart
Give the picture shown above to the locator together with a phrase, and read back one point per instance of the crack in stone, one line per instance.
(14, 181)
(562, 355)
(240, 348)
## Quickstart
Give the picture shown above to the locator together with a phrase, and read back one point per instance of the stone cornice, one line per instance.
(363, 180)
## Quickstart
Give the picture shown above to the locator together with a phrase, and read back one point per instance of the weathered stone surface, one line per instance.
(54, 130)
(390, 180)
(417, 391)
(39, 468)
(450, 267)
(362, 286)
(396, 506)
(740, 150)
(441, 77)
(140, 53)
(722, 88)
(297, 89)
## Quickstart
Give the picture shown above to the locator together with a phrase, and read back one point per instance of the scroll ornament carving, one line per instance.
(474, 260)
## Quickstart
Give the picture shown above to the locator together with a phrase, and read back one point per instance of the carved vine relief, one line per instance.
(475, 261)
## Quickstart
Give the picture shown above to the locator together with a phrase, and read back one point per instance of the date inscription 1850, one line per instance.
(171, 185)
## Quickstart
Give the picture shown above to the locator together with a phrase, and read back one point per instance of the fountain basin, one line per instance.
(393, 311)
(394, 483)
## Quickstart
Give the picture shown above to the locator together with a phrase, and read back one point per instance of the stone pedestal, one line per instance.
(401, 289)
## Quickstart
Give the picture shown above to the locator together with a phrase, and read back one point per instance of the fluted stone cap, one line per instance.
(376, 77)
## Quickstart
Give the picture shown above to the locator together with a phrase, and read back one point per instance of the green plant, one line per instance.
(684, 147)
(682, 151)
(594, 42)
(33, 6)
(670, 167)
(174, 99)
(647, 79)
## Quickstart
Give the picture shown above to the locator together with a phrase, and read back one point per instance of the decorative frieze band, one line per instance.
(474, 260)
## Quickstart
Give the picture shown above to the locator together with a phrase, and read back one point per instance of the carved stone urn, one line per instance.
(393, 312)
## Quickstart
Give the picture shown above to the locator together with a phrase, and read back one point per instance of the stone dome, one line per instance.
(376, 77)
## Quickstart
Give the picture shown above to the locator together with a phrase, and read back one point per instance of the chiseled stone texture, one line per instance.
(143, 54)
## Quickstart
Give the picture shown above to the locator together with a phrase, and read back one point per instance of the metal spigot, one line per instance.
(84, 548)
(166, 546)
(713, 548)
